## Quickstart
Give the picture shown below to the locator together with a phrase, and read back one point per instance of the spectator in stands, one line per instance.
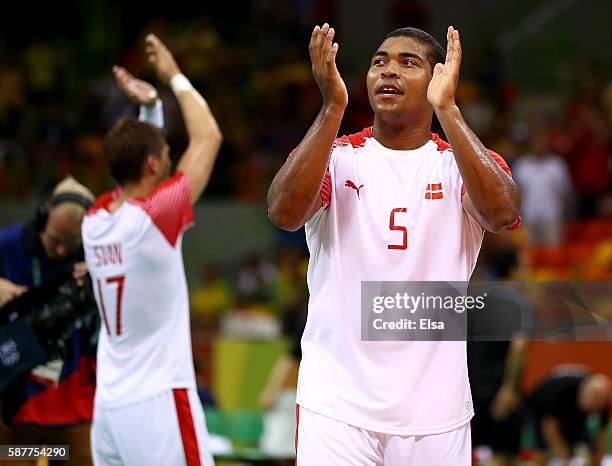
(560, 405)
(546, 186)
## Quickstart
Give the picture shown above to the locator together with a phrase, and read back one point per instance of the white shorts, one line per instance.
(166, 430)
(321, 440)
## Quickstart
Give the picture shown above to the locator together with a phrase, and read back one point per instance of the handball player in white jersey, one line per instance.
(393, 202)
(146, 409)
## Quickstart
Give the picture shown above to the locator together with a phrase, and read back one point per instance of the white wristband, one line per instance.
(180, 83)
(153, 114)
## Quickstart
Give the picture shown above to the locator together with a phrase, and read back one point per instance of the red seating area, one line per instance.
(586, 254)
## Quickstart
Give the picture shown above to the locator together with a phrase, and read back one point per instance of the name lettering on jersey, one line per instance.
(350, 184)
(108, 254)
(434, 191)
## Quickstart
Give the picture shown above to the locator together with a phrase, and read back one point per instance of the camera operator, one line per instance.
(43, 282)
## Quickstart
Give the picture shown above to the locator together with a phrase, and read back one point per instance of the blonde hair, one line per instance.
(70, 185)
(73, 210)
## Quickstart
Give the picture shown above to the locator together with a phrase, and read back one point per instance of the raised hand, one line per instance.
(323, 53)
(443, 84)
(137, 90)
(160, 57)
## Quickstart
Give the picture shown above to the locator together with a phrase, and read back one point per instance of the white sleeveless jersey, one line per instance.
(387, 215)
(134, 257)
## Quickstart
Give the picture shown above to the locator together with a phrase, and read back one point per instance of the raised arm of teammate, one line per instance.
(204, 135)
(492, 197)
(293, 196)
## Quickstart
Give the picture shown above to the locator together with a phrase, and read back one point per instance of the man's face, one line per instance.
(62, 235)
(399, 76)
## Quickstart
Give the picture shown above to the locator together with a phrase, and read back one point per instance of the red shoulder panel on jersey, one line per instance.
(104, 200)
(326, 188)
(359, 139)
(169, 206)
(356, 140)
(441, 143)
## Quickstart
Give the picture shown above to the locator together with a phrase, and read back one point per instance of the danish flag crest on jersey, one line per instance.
(434, 191)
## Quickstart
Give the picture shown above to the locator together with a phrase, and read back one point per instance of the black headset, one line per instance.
(42, 212)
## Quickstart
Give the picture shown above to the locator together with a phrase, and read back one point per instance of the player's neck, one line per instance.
(396, 134)
(133, 190)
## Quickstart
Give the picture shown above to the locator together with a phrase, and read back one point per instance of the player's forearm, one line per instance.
(492, 191)
(294, 192)
(204, 141)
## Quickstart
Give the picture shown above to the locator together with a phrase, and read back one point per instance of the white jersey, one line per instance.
(134, 257)
(387, 215)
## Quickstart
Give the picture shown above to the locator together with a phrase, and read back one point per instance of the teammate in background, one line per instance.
(391, 203)
(560, 405)
(38, 408)
(146, 408)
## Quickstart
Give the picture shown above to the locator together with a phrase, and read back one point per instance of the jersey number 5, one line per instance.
(394, 227)
(119, 280)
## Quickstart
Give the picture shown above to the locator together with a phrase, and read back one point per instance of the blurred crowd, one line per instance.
(55, 107)
(257, 290)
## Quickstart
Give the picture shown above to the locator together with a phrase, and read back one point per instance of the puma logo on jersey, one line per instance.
(350, 184)
(434, 191)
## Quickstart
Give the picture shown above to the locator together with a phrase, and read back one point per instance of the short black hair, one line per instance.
(436, 54)
(127, 146)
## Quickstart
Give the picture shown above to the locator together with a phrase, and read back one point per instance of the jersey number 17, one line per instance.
(119, 280)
